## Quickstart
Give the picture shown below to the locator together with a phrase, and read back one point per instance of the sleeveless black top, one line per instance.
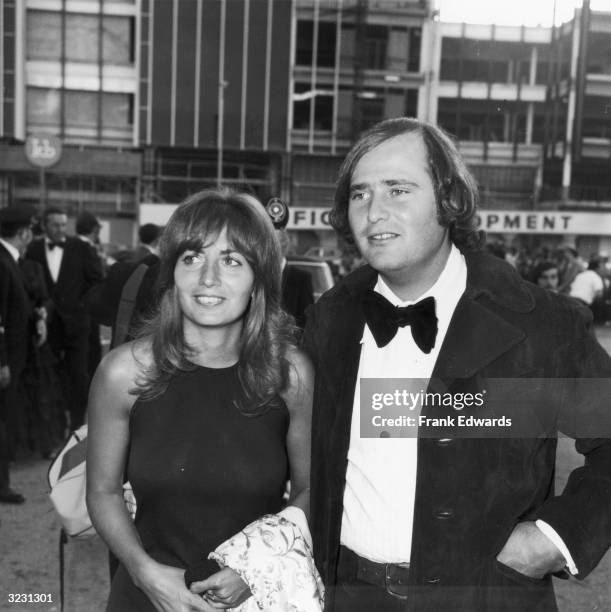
(201, 471)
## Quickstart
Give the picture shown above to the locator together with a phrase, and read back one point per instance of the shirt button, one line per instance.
(444, 514)
(433, 580)
(444, 441)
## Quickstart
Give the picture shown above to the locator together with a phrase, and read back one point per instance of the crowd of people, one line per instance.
(562, 270)
(51, 337)
(219, 398)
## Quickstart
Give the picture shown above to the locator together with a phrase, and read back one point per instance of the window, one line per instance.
(376, 41)
(323, 107)
(118, 40)
(44, 40)
(325, 52)
(81, 109)
(117, 110)
(301, 107)
(82, 38)
(43, 106)
(413, 55)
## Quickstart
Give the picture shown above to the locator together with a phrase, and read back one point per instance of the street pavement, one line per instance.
(29, 544)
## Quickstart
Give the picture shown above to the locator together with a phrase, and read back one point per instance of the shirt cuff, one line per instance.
(298, 517)
(550, 532)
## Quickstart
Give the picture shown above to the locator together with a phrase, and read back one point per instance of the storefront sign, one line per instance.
(548, 222)
(492, 221)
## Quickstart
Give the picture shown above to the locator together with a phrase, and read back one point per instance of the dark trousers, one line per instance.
(352, 594)
(9, 407)
(72, 354)
(4, 455)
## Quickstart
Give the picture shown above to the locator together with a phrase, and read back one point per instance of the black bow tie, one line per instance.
(384, 320)
(52, 245)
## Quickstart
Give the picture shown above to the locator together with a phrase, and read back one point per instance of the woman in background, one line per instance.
(207, 412)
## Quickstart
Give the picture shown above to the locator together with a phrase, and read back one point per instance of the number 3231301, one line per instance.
(30, 598)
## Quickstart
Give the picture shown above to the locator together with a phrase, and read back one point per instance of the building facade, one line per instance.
(155, 99)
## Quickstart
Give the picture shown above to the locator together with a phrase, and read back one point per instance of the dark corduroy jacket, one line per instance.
(471, 491)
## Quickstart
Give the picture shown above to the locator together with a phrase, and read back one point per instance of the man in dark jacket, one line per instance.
(15, 314)
(71, 268)
(419, 504)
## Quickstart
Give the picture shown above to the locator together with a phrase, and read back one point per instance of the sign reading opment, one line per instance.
(545, 222)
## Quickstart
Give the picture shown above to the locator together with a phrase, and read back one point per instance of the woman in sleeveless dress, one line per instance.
(206, 413)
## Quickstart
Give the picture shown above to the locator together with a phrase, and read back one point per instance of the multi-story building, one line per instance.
(155, 99)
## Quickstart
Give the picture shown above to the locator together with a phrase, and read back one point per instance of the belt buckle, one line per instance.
(392, 587)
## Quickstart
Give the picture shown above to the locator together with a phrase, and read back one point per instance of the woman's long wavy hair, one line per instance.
(456, 191)
(267, 333)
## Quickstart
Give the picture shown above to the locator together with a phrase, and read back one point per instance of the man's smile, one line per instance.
(382, 237)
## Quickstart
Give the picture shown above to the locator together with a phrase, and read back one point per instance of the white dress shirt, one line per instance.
(54, 259)
(380, 488)
(381, 473)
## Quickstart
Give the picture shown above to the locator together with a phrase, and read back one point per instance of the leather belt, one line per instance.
(392, 577)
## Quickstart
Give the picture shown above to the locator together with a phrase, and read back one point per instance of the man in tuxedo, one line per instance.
(426, 514)
(15, 313)
(71, 268)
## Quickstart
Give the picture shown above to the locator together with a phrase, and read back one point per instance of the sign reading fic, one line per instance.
(43, 150)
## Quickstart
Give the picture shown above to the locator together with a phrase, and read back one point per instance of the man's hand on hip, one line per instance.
(530, 552)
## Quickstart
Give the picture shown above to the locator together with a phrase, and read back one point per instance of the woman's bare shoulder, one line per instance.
(127, 363)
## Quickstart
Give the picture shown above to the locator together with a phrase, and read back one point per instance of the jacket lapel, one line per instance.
(38, 252)
(476, 337)
(342, 368)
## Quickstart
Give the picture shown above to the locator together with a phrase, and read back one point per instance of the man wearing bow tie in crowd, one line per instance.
(442, 519)
(71, 267)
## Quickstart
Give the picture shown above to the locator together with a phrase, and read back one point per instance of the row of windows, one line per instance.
(79, 108)
(80, 38)
(81, 116)
(376, 47)
(490, 120)
(354, 113)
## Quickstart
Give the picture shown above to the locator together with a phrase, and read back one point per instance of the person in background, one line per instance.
(16, 314)
(207, 411)
(71, 267)
(546, 275)
(297, 289)
(439, 516)
(148, 236)
(88, 228)
(589, 286)
(570, 267)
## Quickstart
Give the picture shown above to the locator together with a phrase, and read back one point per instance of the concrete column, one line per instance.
(532, 77)
(20, 53)
(570, 115)
(430, 62)
(530, 115)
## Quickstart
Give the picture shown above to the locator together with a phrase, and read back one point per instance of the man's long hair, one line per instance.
(267, 332)
(456, 192)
